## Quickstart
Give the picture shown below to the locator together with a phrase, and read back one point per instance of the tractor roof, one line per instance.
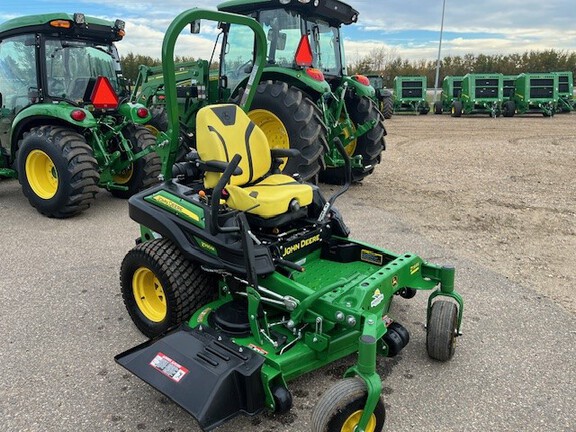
(334, 12)
(72, 25)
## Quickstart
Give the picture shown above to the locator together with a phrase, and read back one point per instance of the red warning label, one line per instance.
(168, 367)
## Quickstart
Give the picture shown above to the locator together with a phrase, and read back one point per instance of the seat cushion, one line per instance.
(270, 197)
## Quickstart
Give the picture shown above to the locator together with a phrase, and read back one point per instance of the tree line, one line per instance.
(389, 64)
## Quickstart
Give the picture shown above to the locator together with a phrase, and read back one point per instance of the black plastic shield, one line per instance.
(202, 371)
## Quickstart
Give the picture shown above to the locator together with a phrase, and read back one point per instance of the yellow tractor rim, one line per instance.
(351, 147)
(149, 294)
(41, 174)
(273, 128)
(352, 421)
(124, 176)
(152, 130)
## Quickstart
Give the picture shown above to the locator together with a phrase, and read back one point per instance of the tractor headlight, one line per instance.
(119, 24)
(304, 1)
(285, 2)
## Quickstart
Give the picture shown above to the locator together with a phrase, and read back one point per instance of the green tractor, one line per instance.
(410, 94)
(66, 126)
(305, 99)
(480, 94)
(451, 90)
(534, 94)
(245, 278)
(383, 95)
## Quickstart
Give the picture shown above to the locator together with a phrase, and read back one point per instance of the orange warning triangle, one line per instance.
(103, 95)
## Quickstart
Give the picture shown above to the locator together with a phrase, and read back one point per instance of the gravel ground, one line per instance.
(499, 191)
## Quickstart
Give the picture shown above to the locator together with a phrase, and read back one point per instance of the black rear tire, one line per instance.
(509, 109)
(180, 286)
(387, 107)
(369, 146)
(456, 109)
(57, 171)
(290, 119)
(438, 108)
(143, 172)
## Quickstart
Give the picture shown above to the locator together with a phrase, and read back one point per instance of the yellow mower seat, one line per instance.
(223, 131)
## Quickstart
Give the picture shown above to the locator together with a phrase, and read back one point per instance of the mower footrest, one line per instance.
(202, 371)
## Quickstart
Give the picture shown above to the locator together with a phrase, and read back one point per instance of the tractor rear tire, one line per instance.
(441, 330)
(289, 119)
(369, 146)
(159, 121)
(57, 171)
(341, 406)
(161, 288)
(387, 107)
(143, 172)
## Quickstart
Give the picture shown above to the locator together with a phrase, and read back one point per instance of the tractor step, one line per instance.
(201, 370)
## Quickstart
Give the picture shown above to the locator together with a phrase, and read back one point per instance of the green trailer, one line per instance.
(410, 94)
(566, 101)
(534, 94)
(451, 88)
(480, 94)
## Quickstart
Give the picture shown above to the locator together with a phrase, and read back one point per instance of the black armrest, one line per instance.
(280, 153)
(217, 166)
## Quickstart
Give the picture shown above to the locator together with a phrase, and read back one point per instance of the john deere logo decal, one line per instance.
(394, 281)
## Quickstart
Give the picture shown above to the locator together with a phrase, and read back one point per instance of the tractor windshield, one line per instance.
(71, 64)
(285, 29)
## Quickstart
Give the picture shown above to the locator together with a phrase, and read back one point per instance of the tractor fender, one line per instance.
(129, 110)
(359, 88)
(296, 78)
(43, 114)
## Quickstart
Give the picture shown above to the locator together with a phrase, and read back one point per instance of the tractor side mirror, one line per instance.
(195, 27)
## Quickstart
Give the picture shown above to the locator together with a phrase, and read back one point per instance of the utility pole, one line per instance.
(439, 50)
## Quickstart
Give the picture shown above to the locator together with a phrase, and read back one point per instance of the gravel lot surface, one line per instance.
(500, 191)
(495, 198)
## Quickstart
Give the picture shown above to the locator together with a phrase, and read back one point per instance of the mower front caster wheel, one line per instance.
(161, 288)
(442, 330)
(341, 406)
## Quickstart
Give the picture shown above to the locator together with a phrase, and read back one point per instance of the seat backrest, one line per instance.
(223, 131)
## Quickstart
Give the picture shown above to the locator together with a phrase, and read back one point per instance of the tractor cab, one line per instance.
(57, 57)
(301, 35)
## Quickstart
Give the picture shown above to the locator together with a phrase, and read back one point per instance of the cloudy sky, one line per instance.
(409, 28)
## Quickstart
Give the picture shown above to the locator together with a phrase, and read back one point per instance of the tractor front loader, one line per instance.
(245, 278)
(66, 125)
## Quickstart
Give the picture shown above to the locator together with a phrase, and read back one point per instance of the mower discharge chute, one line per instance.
(244, 278)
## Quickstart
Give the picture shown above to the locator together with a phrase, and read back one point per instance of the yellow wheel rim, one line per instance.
(351, 147)
(124, 176)
(149, 294)
(152, 130)
(352, 421)
(273, 128)
(41, 174)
